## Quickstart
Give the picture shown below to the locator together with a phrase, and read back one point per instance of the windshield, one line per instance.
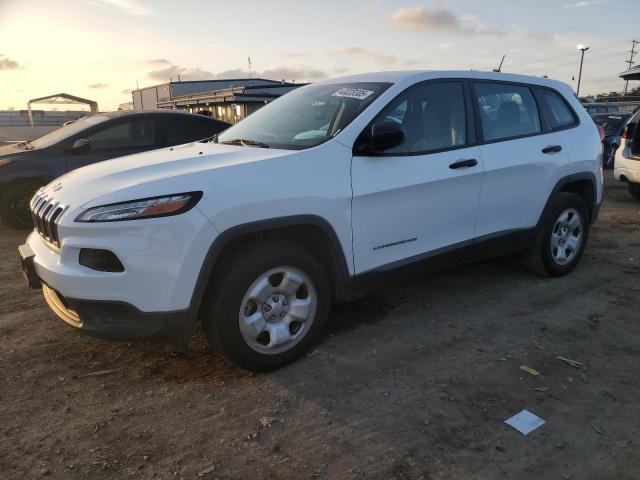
(610, 123)
(67, 131)
(305, 117)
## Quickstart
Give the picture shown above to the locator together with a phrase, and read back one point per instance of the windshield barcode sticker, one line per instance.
(359, 93)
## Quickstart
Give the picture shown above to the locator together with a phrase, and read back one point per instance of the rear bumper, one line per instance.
(120, 321)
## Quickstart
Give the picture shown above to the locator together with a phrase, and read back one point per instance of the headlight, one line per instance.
(143, 208)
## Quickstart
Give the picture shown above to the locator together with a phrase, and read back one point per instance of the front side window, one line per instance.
(131, 134)
(305, 117)
(506, 110)
(432, 115)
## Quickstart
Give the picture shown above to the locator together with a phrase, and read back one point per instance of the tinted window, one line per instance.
(506, 110)
(433, 117)
(134, 133)
(184, 129)
(556, 111)
(611, 123)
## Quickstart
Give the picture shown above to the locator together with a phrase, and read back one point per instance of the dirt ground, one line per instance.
(412, 382)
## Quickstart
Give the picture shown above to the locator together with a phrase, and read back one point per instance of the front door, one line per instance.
(419, 198)
(125, 137)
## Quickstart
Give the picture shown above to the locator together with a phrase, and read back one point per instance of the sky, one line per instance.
(101, 49)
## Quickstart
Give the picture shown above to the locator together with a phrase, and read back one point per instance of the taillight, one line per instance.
(601, 132)
(626, 133)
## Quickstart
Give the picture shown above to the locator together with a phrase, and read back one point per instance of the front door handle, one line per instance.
(472, 162)
(552, 149)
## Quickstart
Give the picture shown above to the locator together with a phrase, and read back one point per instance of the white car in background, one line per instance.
(314, 199)
(627, 163)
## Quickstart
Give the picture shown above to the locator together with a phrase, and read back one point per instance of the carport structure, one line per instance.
(631, 74)
(62, 99)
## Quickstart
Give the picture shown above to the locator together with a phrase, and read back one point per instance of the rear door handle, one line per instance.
(552, 149)
(472, 162)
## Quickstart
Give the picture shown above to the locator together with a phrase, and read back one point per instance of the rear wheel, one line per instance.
(14, 205)
(634, 189)
(561, 237)
(267, 305)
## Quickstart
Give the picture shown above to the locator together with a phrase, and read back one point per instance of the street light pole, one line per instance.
(583, 49)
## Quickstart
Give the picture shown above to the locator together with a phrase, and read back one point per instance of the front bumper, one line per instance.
(120, 321)
(152, 298)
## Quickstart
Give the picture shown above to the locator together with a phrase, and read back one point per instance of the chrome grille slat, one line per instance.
(45, 213)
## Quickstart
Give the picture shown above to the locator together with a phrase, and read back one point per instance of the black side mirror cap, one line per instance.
(81, 145)
(379, 137)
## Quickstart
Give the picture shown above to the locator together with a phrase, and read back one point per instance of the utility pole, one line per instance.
(583, 49)
(630, 61)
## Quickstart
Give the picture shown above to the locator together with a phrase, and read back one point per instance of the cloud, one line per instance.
(158, 61)
(126, 91)
(7, 63)
(97, 85)
(299, 74)
(420, 19)
(365, 54)
(174, 71)
(288, 54)
(586, 3)
(131, 7)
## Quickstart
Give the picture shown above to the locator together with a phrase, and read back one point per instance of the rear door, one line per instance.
(520, 159)
(420, 197)
(115, 139)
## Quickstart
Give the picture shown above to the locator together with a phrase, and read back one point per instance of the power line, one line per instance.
(571, 55)
(630, 61)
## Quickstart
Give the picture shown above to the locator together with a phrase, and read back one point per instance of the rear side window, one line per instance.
(180, 129)
(556, 111)
(506, 111)
(432, 115)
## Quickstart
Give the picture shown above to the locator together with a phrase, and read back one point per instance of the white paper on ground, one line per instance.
(525, 422)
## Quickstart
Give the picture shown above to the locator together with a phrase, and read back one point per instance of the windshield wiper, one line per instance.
(211, 139)
(245, 142)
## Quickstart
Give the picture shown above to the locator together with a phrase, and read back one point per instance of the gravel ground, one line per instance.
(414, 381)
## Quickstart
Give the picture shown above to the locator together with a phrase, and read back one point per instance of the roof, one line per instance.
(212, 80)
(128, 113)
(631, 74)
(416, 75)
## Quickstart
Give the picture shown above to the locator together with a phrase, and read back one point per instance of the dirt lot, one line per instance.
(412, 382)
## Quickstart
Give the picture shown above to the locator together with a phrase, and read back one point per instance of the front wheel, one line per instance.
(266, 305)
(14, 205)
(561, 237)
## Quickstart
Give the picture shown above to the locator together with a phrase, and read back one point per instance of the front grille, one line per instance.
(45, 213)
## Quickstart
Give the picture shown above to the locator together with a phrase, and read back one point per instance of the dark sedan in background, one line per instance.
(613, 124)
(25, 167)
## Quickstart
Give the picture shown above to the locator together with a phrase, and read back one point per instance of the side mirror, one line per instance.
(81, 145)
(381, 137)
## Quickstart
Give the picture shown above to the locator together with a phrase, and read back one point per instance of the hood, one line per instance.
(183, 164)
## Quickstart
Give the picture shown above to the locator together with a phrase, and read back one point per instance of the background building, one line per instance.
(228, 100)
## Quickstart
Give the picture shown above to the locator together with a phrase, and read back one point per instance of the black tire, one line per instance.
(540, 259)
(221, 310)
(14, 204)
(634, 189)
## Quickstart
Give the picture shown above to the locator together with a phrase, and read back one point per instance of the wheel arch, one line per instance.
(309, 231)
(582, 184)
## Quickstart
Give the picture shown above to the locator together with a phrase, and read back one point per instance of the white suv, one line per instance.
(627, 162)
(315, 199)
